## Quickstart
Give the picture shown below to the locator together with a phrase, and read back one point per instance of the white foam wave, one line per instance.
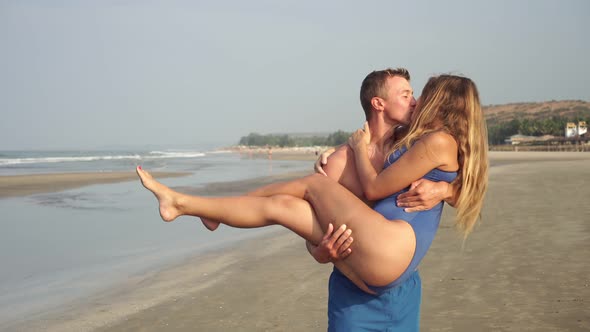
(52, 160)
(220, 151)
(175, 154)
(16, 161)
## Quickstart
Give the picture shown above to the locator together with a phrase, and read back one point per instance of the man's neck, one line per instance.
(381, 132)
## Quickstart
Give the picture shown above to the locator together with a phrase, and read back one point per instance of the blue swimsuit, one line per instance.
(424, 223)
(397, 305)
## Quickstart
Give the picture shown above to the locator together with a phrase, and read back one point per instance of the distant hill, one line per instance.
(530, 119)
(533, 119)
(570, 109)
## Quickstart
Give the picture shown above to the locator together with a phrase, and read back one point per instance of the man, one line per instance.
(387, 99)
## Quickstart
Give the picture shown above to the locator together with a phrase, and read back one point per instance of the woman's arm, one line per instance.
(436, 150)
(322, 161)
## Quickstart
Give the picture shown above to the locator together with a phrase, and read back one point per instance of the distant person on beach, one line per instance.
(446, 141)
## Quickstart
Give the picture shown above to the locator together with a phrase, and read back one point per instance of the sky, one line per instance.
(107, 74)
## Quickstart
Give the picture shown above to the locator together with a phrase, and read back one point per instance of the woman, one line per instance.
(447, 139)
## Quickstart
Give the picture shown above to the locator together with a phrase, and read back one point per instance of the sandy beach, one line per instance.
(524, 268)
(24, 185)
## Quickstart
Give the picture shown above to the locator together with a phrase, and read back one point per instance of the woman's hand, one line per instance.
(361, 137)
(318, 167)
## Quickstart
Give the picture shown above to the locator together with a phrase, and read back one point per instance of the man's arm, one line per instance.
(334, 246)
(425, 194)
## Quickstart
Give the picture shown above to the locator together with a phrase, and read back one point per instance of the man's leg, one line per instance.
(396, 309)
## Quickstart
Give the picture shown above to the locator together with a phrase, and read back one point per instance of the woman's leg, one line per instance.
(210, 224)
(213, 225)
(382, 248)
(241, 211)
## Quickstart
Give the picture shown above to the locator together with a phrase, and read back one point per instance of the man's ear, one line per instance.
(377, 103)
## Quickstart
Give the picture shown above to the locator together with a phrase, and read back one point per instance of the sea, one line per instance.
(56, 248)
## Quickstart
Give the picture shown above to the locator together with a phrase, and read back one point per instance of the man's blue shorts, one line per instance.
(395, 309)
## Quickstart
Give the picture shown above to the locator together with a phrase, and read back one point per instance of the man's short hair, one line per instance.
(375, 85)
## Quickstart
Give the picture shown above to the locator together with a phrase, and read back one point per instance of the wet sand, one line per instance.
(24, 185)
(525, 268)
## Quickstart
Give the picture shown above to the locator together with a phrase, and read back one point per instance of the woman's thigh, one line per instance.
(382, 249)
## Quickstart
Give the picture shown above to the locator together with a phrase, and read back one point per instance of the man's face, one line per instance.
(400, 101)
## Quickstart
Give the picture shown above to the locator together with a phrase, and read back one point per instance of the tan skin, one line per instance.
(387, 113)
(422, 195)
(339, 165)
(437, 150)
(383, 248)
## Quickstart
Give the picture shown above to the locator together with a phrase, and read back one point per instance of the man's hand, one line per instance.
(333, 247)
(424, 195)
(318, 167)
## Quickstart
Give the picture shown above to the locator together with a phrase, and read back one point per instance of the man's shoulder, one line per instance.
(341, 155)
(337, 162)
(342, 151)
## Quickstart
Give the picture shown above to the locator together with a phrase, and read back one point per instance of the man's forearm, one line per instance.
(451, 195)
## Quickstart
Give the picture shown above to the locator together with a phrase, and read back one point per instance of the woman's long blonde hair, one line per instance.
(453, 101)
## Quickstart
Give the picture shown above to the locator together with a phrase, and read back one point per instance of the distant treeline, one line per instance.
(284, 140)
(546, 121)
(499, 132)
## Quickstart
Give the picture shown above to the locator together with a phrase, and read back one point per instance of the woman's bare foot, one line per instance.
(210, 224)
(166, 196)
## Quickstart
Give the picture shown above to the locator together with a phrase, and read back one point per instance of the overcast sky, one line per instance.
(93, 74)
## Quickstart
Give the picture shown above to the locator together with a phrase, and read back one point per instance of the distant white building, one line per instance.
(571, 129)
(582, 128)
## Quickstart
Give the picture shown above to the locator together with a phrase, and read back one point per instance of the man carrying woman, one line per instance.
(447, 140)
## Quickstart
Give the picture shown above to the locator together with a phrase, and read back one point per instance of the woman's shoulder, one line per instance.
(440, 140)
(442, 147)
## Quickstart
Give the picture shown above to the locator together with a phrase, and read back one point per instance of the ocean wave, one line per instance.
(175, 154)
(67, 159)
(220, 152)
(42, 160)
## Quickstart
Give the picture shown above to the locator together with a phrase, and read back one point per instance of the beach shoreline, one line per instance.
(30, 184)
(25, 185)
(502, 278)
